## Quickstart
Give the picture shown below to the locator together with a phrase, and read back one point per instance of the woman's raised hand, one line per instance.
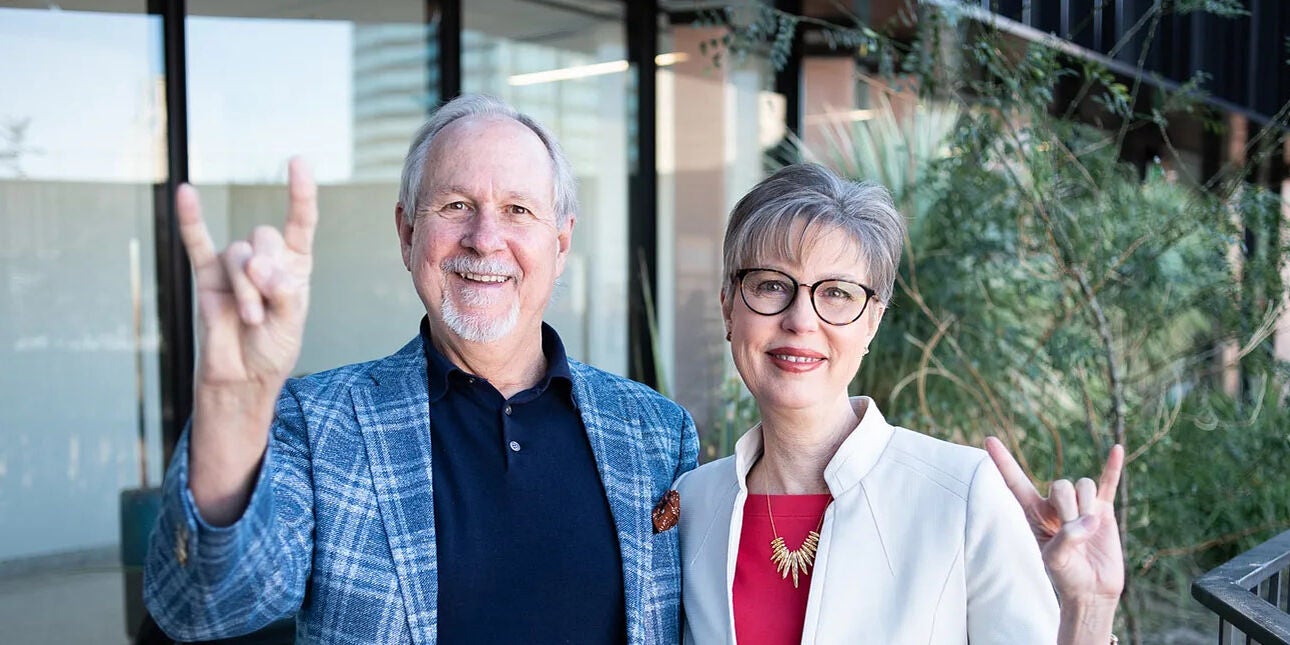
(1075, 526)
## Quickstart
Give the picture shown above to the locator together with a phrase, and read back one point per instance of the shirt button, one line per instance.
(515, 446)
(507, 410)
(471, 380)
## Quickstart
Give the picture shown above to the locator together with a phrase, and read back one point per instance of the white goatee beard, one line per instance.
(471, 326)
(475, 327)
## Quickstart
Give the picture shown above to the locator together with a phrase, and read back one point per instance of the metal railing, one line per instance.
(1251, 595)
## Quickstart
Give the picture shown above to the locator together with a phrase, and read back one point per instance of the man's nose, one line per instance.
(485, 232)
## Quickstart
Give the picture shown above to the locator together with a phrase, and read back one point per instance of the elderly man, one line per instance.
(476, 486)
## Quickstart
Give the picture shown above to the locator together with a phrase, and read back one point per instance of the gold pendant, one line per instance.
(796, 560)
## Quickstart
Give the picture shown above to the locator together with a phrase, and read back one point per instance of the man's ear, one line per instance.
(564, 242)
(404, 227)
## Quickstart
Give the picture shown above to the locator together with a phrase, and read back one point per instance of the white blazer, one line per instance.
(923, 543)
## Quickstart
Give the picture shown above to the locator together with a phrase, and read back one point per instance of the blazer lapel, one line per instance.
(615, 439)
(393, 410)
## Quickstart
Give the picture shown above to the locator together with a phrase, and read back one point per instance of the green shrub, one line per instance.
(1064, 299)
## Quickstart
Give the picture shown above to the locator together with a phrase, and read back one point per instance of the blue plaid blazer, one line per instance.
(340, 527)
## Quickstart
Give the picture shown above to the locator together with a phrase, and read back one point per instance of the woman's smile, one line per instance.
(795, 359)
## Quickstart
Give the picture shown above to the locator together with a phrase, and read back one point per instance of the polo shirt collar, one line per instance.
(439, 369)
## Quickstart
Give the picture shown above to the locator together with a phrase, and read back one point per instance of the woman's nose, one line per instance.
(800, 315)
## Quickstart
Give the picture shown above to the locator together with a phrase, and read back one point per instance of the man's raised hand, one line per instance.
(252, 300)
(253, 297)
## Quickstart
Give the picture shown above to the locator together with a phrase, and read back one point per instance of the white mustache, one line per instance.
(467, 264)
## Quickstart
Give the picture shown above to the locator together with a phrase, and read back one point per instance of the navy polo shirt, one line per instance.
(527, 549)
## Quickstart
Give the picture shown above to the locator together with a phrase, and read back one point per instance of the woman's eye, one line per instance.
(772, 286)
(837, 293)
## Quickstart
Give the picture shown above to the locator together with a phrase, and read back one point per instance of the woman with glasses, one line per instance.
(828, 524)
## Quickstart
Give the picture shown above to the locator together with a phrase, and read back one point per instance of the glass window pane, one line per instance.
(82, 147)
(345, 86)
(715, 125)
(566, 66)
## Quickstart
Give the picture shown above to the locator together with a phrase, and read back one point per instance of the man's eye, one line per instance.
(455, 206)
(520, 210)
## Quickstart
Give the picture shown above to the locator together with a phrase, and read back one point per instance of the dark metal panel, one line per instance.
(1243, 57)
(788, 80)
(1079, 21)
(1013, 9)
(446, 14)
(642, 208)
(1047, 16)
(1252, 57)
(174, 279)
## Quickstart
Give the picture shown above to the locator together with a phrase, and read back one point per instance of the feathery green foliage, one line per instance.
(1064, 299)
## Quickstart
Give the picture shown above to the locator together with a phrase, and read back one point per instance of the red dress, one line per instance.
(767, 608)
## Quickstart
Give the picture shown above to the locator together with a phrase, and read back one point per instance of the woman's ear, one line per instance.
(726, 307)
(873, 318)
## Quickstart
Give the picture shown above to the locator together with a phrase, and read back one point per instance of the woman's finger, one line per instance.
(1065, 544)
(1110, 478)
(1062, 497)
(1086, 496)
(1014, 476)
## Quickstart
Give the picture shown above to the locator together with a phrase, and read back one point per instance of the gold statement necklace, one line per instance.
(794, 561)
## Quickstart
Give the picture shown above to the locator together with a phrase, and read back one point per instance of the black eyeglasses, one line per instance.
(769, 292)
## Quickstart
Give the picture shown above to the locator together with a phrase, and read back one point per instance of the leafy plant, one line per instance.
(1058, 296)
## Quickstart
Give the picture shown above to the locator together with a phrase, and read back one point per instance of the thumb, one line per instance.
(1073, 534)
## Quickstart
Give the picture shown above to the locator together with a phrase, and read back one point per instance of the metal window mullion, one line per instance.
(174, 278)
(642, 209)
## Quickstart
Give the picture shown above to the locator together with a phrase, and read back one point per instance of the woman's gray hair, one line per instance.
(480, 105)
(787, 210)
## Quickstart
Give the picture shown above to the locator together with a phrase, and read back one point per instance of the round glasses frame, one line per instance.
(797, 287)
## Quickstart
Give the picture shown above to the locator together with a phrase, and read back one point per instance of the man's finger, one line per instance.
(264, 267)
(1110, 478)
(192, 229)
(302, 208)
(250, 303)
(1020, 485)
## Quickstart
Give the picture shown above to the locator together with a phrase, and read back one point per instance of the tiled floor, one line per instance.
(68, 606)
